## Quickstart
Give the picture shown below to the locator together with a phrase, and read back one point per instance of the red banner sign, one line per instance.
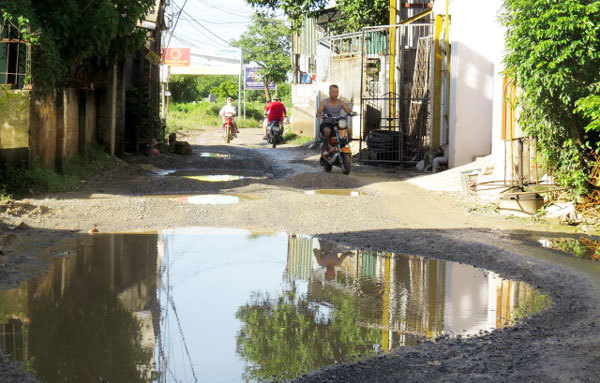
(176, 56)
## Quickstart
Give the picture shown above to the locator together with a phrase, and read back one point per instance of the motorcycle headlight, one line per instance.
(343, 124)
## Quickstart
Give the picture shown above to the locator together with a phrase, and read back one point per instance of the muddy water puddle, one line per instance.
(232, 305)
(215, 155)
(211, 199)
(222, 177)
(580, 247)
(337, 192)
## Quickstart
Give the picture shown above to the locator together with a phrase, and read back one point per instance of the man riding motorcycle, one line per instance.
(229, 111)
(275, 111)
(331, 106)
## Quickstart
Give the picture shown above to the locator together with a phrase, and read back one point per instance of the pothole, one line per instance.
(337, 192)
(580, 247)
(222, 177)
(215, 155)
(211, 199)
(232, 305)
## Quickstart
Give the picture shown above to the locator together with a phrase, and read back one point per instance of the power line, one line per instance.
(218, 23)
(222, 10)
(206, 29)
(207, 36)
(176, 21)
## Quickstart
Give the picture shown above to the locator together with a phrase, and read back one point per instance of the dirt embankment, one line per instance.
(560, 344)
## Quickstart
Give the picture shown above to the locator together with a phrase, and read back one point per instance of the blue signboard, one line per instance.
(254, 79)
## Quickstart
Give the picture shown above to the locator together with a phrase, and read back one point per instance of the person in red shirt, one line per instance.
(275, 111)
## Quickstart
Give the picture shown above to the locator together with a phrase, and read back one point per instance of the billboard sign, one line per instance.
(254, 80)
(176, 57)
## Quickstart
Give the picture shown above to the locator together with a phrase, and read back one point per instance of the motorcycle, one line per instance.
(339, 154)
(228, 132)
(275, 133)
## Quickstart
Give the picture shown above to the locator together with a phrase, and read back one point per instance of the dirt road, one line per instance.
(560, 344)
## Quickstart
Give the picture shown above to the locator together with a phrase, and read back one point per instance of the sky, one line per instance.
(209, 23)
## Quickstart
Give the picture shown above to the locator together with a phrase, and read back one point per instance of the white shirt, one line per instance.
(228, 108)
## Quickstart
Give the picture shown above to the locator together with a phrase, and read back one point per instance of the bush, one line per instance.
(552, 53)
(38, 179)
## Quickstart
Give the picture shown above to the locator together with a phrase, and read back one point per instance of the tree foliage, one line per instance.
(74, 31)
(288, 337)
(553, 53)
(267, 43)
(357, 13)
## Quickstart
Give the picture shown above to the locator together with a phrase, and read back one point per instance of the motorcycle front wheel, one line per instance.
(346, 163)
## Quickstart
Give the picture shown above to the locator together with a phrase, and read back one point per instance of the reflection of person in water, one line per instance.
(330, 256)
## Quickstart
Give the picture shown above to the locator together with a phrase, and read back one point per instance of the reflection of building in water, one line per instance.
(410, 297)
(94, 310)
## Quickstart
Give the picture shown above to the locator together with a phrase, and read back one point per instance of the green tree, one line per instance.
(267, 43)
(288, 337)
(553, 53)
(357, 13)
(75, 31)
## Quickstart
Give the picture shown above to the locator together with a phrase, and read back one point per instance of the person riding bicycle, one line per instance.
(331, 106)
(229, 111)
(275, 111)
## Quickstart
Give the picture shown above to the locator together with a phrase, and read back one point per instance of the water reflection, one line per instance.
(224, 178)
(581, 247)
(229, 305)
(337, 192)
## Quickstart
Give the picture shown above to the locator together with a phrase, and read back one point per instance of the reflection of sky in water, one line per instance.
(210, 199)
(212, 274)
(336, 192)
(223, 178)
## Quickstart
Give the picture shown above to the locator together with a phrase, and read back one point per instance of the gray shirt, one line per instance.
(333, 111)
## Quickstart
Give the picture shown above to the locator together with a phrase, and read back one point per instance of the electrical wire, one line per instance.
(203, 27)
(176, 21)
(221, 9)
(218, 23)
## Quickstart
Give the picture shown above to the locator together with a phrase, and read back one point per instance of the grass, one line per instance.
(294, 139)
(38, 179)
(189, 116)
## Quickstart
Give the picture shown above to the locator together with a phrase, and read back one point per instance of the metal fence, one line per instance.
(395, 95)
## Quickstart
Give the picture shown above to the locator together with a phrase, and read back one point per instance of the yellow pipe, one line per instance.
(392, 63)
(416, 17)
(448, 50)
(385, 318)
(437, 84)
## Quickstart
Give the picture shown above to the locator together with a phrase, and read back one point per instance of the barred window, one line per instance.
(15, 56)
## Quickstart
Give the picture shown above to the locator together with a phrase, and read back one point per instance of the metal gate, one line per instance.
(395, 93)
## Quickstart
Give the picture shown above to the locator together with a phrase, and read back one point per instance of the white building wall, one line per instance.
(476, 39)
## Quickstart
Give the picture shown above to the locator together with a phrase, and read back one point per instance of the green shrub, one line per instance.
(38, 179)
(552, 53)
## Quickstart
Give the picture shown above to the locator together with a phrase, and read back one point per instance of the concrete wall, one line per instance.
(14, 128)
(69, 145)
(106, 96)
(44, 127)
(90, 115)
(476, 40)
(303, 109)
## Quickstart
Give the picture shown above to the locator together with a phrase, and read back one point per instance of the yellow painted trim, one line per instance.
(437, 84)
(416, 17)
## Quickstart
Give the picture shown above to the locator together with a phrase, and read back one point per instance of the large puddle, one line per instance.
(219, 305)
